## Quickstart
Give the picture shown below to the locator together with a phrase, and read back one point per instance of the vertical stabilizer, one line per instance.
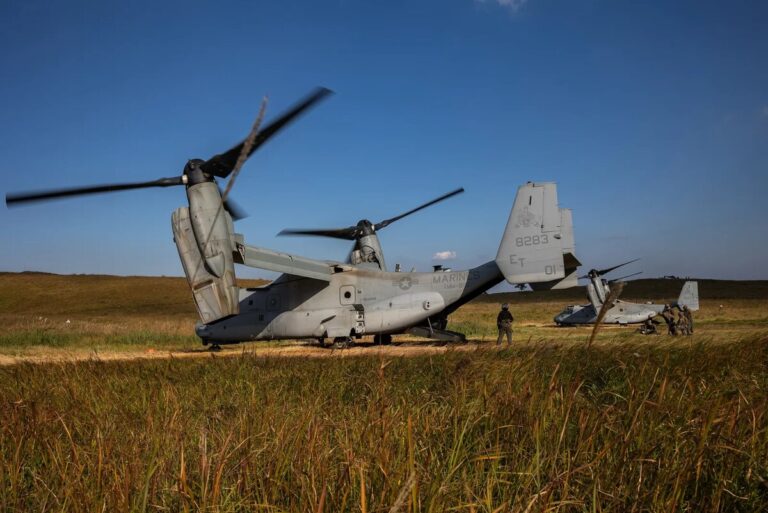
(568, 244)
(689, 296)
(566, 231)
(531, 250)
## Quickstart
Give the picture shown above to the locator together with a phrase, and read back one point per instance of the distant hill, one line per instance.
(32, 293)
(654, 289)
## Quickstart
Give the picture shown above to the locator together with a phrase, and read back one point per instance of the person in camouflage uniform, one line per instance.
(648, 328)
(682, 322)
(669, 318)
(504, 323)
(689, 319)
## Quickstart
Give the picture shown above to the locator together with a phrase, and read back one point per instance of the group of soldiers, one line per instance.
(680, 324)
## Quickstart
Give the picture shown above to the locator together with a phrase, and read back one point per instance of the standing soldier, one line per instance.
(682, 322)
(669, 318)
(504, 323)
(688, 318)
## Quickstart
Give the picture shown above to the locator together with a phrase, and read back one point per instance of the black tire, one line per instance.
(342, 343)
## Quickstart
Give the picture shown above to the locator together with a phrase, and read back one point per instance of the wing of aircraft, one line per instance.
(262, 258)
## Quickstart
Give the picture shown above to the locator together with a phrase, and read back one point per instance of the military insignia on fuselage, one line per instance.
(526, 219)
(405, 282)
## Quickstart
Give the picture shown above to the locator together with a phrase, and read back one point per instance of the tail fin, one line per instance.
(570, 262)
(537, 246)
(689, 296)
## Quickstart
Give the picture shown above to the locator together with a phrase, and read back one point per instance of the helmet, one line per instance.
(505, 306)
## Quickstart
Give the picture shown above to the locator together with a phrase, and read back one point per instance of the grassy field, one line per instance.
(541, 427)
(632, 423)
(48, 313)
(44, 314)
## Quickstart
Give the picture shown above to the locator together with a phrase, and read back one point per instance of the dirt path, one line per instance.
(406, 348)
(297, 351)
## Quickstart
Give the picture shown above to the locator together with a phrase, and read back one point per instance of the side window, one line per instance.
(347, 294)
(273, 303)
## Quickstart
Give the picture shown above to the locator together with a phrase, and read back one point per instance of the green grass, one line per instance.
(20, 342)
(679, 426)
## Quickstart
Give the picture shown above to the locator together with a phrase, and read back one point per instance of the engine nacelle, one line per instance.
(212, 226)
(203, 236)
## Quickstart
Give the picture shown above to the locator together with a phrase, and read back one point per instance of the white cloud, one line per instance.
(513, 5)
(444, 255)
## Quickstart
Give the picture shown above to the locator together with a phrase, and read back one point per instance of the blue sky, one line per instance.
(651, 116)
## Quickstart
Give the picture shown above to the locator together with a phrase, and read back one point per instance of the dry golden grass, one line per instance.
(540, 427)
(633, 423)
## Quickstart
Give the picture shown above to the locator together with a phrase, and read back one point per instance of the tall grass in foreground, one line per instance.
(624, 428)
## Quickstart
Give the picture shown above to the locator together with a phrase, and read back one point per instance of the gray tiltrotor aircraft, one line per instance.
(620, 312)
(337, 300)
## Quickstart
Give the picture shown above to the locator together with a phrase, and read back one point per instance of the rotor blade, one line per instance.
(14, 199)
(245, 150)
(627, 276)
(337, 233)
(606, 271)
(387, 222)
(231, 206)
(235, 210)
(222, 165)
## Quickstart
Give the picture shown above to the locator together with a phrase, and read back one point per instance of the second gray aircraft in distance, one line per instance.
(619, 312)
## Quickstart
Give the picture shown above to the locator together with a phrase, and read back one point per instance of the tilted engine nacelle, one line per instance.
(203, 233)
(367, 250)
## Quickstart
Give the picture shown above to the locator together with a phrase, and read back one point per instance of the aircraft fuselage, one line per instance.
(620, 313)
(353, 303)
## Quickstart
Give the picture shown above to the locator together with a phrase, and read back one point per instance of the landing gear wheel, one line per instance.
(342, 343)
(382, 340)
(215, 348)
